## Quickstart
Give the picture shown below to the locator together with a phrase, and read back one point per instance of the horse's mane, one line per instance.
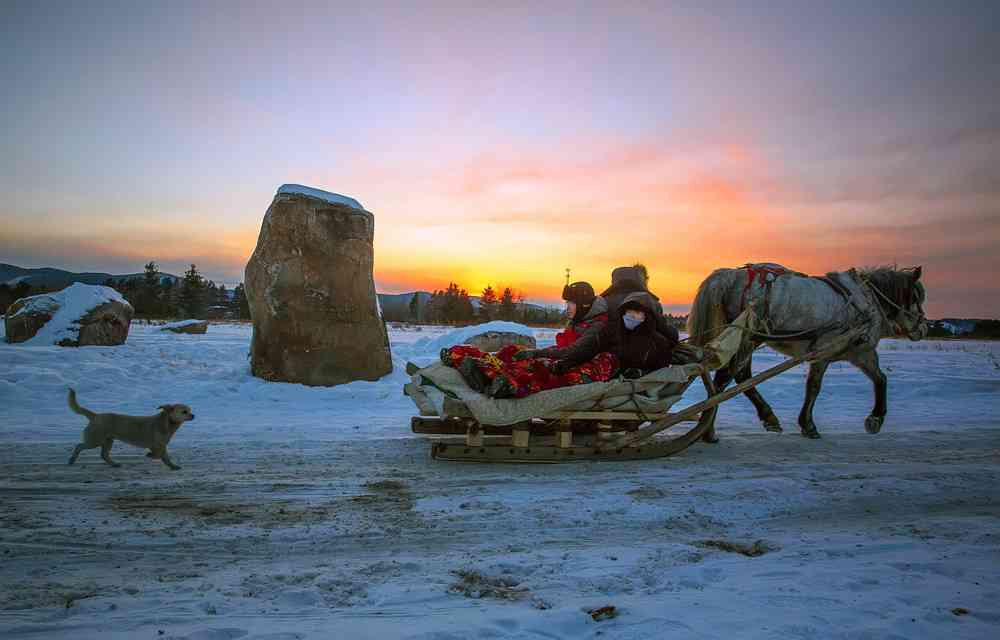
(897, 284)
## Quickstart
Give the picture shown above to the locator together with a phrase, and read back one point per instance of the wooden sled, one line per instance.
(597, 436)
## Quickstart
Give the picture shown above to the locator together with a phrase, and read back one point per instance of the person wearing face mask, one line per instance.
(634, 337)
(587, 313)
(628, 280)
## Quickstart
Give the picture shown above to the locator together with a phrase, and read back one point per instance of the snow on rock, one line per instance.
(80, 314)
(432, 346)
(326, 196)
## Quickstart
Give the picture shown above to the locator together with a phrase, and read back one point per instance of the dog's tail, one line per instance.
(77, 408)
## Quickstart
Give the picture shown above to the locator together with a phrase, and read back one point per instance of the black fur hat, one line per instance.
(579, 292)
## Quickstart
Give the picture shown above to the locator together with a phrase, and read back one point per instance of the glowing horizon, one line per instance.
(500, 146)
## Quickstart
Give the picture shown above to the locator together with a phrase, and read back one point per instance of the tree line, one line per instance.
(156, 296)
(454, 305)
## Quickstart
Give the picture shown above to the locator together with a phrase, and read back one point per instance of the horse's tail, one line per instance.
(708, 315)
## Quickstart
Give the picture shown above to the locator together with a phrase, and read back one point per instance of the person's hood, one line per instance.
(599, 306)
(641, 299)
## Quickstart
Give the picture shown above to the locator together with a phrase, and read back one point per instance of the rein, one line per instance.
(897, 327)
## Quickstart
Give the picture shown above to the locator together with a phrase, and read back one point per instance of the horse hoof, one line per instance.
(710, 439)
(772, 424)
(811, 434)
(873, 424)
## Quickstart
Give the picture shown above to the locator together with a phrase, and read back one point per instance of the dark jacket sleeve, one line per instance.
(667, 330)
(558, 354)
(588, 346)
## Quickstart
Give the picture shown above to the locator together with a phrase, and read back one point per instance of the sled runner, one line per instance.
(615, 420)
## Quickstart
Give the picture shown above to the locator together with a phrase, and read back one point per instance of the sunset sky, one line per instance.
(503, 145)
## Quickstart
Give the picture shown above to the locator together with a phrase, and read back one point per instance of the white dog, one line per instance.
(148, 432)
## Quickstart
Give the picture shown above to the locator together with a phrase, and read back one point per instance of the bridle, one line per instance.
(898, 328)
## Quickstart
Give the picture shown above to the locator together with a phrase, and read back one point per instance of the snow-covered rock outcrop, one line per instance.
(79, 315)
(311, 291)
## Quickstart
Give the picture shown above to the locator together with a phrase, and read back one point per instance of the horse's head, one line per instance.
(901, 295)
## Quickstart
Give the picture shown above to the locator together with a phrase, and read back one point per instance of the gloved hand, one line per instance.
(560, 367)
(525, 354)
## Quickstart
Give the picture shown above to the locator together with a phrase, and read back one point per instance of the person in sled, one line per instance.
(633, 338)
(587, 312)
(514, 372)
(635, 279)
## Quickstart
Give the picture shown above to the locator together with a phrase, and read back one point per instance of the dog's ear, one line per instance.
(165, 407)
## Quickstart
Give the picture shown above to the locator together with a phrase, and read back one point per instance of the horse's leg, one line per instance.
(814, 382)
(722, 379)
(867, 361)
(764, 411)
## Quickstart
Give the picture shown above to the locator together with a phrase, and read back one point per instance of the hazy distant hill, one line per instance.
(397, 305)
(57, 278)
(394, 305)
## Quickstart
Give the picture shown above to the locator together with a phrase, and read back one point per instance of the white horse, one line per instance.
(796, 313)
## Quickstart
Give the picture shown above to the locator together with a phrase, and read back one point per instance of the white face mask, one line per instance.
(633, 319)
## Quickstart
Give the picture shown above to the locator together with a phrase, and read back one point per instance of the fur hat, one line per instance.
(579, 292)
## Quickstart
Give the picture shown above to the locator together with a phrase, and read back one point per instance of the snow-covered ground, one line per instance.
(313, 512)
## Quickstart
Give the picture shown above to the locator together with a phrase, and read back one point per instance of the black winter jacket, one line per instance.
(626, 281)
(644, 348)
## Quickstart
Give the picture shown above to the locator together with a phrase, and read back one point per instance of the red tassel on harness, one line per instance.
(760, 273)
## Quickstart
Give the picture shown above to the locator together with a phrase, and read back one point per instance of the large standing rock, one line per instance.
(312, 299)
(79, 315)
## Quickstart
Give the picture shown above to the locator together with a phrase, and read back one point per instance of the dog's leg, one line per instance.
(167, 461)
(106, 452)
(76, 452)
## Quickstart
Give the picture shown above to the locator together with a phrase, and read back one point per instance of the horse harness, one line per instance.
(765, 276)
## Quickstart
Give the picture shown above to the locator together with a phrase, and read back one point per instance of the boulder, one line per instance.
(186, 326)
(496, 340)
(309, 283)
(79, 315)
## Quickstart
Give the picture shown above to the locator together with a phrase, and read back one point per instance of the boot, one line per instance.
(473, 377)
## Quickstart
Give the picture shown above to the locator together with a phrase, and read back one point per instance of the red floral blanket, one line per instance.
(498, 375)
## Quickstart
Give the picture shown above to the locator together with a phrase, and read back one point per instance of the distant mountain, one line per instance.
(958, 326)
(397, 305)
(11, 275)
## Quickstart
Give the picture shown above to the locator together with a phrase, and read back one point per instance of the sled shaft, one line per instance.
(719, 398)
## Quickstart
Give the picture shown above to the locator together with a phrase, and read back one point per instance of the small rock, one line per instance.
(186, 326)
(603, 613)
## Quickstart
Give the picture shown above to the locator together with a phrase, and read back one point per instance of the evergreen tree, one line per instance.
(488, 304)
(240, 303)
(211, 295)
(170, 299)
(149, 298)
(508, 309)
(434, 310)
(414, 308)
(451, 305)
(192, 297)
